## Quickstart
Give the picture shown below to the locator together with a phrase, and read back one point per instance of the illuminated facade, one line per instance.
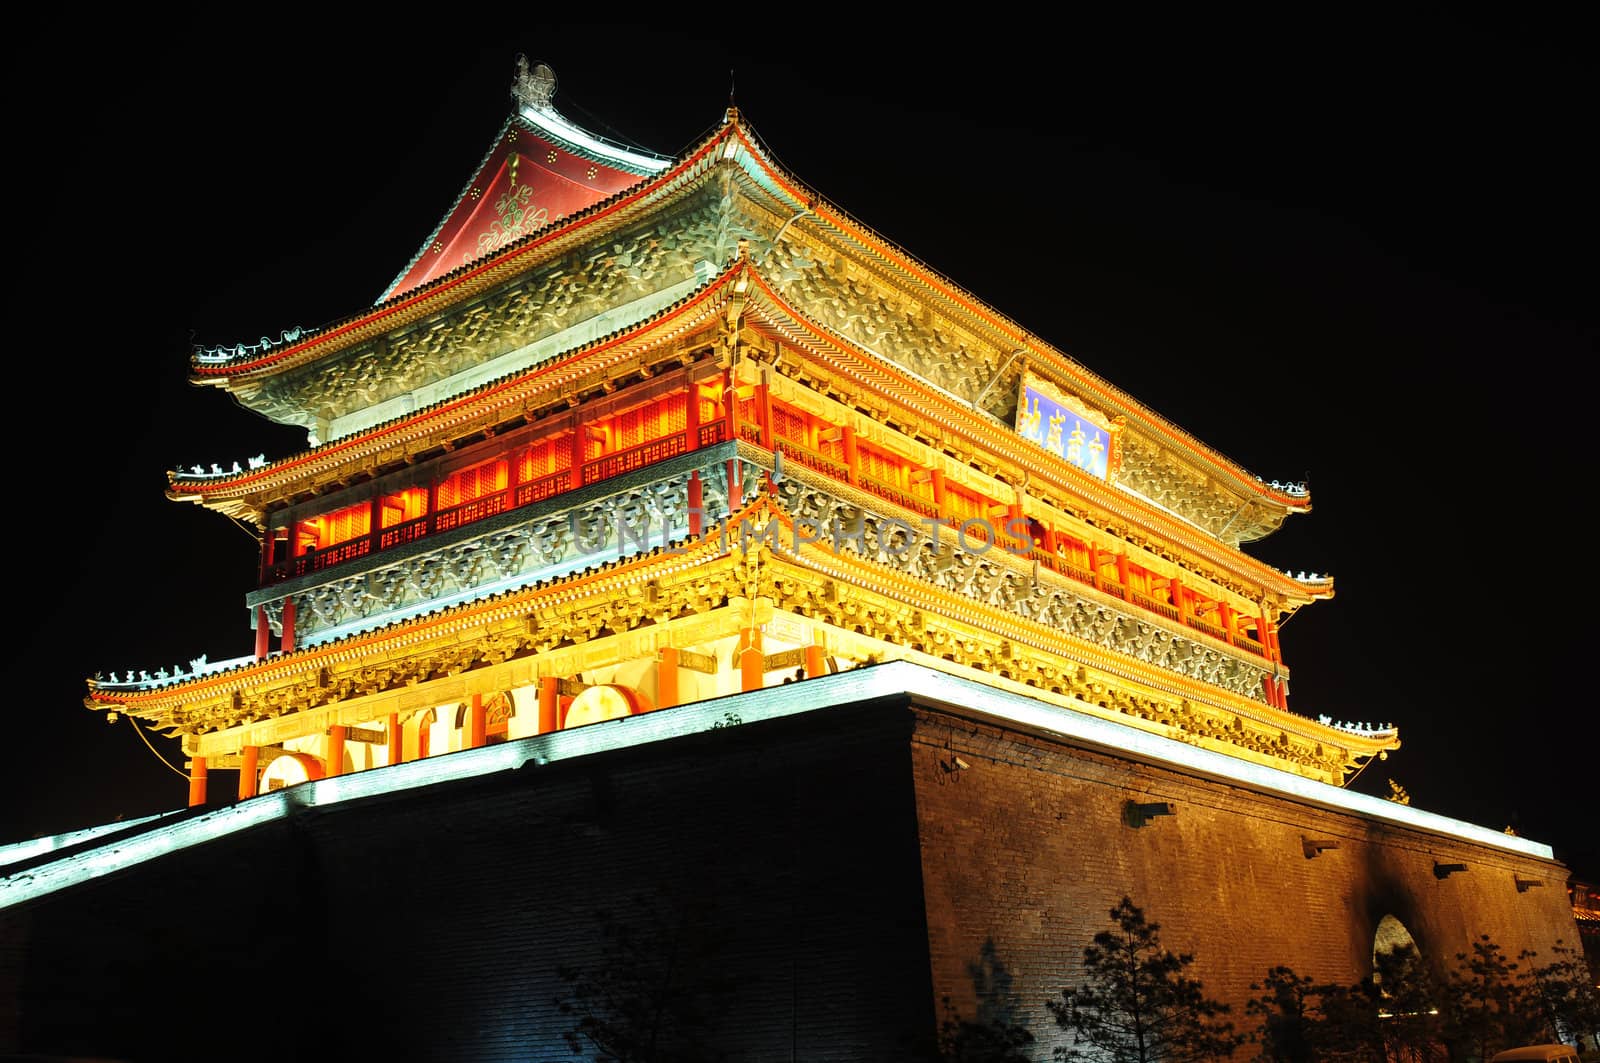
(662, 527)
(631, 432)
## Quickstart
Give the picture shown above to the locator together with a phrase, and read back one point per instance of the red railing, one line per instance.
(902, 498)
(1166, 609)
(611, 465)
(489, 505)
(401, 534)
(635, 458)
(468, 512)
(812, 459)
(543, 488)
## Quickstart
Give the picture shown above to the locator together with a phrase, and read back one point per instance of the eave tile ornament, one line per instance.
(533, 88)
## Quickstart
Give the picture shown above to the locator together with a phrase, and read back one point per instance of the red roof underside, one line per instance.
(548, 183)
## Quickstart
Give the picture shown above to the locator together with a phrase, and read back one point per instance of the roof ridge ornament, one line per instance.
(533, 89)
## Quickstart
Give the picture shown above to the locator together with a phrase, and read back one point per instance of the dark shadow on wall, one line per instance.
(996, 1033)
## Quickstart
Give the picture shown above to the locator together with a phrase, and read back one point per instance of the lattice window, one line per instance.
(964, 505)
(473, 483)
(672, 415)
(878, 465)
(1073, 551)
(497, 713)
(544, 458)
(630, 428)
(330, 529)
(791, 425)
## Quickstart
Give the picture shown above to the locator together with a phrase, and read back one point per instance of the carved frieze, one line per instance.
(596, 531)
(981, 576)
(1183, 719)
(617, 270)
(544, 628)
(844, 297)
(1159, 476)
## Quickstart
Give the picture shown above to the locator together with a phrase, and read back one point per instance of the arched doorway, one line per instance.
(290, 769)
(497, 712)
(1400, 973)
(605, 702)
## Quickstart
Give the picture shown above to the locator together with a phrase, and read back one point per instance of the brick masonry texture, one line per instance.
(1026, 851)
(827, 883)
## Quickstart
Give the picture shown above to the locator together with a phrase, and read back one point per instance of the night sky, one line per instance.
(1357, 254)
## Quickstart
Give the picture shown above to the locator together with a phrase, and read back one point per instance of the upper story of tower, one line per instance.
(562, 241)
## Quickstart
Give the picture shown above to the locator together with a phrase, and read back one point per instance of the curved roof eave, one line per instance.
(773, 178)
(441, 292)
(219, 492)
(985, 434)
(755, 161)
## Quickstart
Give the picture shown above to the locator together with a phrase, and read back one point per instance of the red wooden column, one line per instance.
(730, 395)
(1277, 655)
(769, 437)
(1122, 570)
(197, 782)
(335, 764)
(852, 458)
(477, 723)
(752, 666)
(1269, 645)
(575, 452)
(667, 678)
(735, 487)
(288, 625)
(549, 703)
(249, 758)
(815, 663)
(396, 747)
(697, 505)
(937, 478)
(1094, 563)
(691, 418)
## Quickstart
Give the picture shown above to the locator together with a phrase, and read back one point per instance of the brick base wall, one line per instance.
(1026, 851)
(821, 881)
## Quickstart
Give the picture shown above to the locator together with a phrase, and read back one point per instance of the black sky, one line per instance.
(1358, 253)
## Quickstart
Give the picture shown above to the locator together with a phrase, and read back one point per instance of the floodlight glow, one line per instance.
(820, 695)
